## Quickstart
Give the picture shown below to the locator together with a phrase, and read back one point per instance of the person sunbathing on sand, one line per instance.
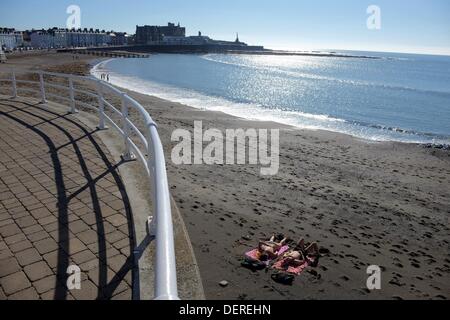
(302, 253)
(268, 249)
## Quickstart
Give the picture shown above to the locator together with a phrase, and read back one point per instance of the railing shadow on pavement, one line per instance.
(106, 289)
(152, 159)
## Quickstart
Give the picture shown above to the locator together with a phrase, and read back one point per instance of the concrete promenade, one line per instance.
(62, 203)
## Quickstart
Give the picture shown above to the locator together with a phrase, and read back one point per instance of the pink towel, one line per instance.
(280, 265)
(254, 254)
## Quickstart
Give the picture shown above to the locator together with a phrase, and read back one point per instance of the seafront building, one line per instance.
(155, 34)
(62, 38)
(175, 36)
(198, 40)
(68, 38)
(10, 38)
(169, 38)
(120, 38)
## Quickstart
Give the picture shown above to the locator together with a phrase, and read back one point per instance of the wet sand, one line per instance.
(365, 203)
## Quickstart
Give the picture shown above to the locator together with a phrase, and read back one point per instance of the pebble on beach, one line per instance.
(223, 283)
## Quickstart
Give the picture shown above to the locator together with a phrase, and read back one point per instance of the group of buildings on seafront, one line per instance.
(56, 38)
(176, 35)
(11, 39)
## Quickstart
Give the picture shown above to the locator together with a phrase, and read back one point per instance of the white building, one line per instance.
(87, 38)
(42, 39)
(65, 38)
(10, 39)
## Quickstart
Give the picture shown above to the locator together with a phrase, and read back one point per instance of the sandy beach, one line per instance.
(364, 203)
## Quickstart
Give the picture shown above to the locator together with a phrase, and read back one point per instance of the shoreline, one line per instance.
(379, 203)
(437, 145)
(252, 122)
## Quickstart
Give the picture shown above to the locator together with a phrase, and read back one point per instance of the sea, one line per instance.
(393, 97)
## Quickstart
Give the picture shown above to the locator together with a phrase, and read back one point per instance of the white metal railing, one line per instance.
(154, 163)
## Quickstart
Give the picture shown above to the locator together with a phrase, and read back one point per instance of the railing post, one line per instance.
(127, 155)
(101, 107)
(41, 81)
(72, 97)
(14, 84)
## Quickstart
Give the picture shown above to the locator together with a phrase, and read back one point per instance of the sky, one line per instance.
(416, 26)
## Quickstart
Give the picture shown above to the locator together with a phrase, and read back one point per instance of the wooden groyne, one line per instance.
(110, 54)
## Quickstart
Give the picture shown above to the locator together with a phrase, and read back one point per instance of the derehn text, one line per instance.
(227, 309)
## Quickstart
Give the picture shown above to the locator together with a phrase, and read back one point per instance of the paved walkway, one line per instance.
(62, 203)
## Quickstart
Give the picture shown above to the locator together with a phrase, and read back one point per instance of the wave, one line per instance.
(433, 136)
(263, 113)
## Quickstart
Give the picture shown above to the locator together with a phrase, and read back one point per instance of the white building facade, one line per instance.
(42, 39)
(10, 39)
(63, 38)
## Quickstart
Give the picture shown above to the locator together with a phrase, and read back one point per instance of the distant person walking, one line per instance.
(107, 77)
